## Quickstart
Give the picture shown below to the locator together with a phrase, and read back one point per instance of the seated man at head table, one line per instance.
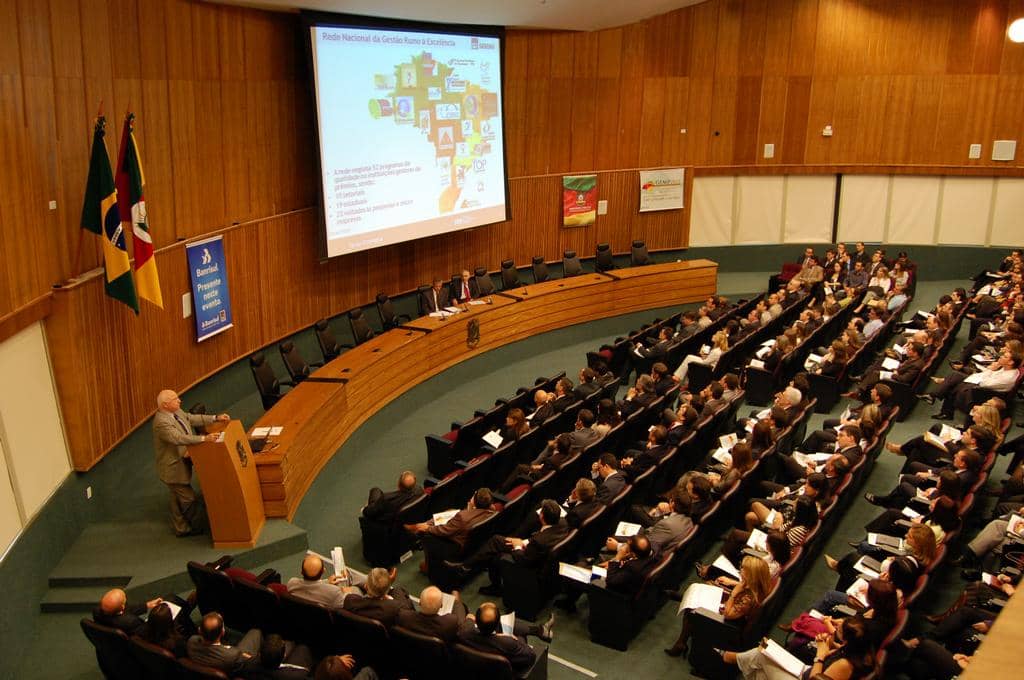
(465, 289)
(435, 298)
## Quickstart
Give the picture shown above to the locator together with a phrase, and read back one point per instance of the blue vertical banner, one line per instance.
(210, 300)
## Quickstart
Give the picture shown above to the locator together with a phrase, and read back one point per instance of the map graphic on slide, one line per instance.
(453, 114)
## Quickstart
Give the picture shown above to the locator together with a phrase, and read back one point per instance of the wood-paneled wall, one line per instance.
(225, 130)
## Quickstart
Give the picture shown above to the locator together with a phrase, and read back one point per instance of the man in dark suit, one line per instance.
(465, 289)
(435, 298)
(965, 466)
(115, 612)
(381, 602)
(609, 479)
(627, 571)
(639, 396)
(280, 660)
(542, 408)
(643, 355)
(662, 377)
(529, 552)
(384, 506)
(429, 621)
(209, 649)
(905, 373)
(486, 636)
(847, 445)
(588, 383)
(714, 398)
(635, 462)
(688, 326)
(564, 398)
(581, 437)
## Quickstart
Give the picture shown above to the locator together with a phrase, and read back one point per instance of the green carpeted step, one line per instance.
(72, 598)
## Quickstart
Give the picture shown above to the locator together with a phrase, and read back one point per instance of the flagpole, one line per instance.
(78, 251)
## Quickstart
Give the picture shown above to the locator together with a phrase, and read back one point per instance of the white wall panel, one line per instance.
(863, 206)
(913, 209)
(810, 204)
(759, 209)
(10, 520)
(35, 447)
(711, 222)
(963, 216)
(1008, 213)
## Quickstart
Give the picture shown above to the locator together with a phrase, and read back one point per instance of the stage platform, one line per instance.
(147, 560)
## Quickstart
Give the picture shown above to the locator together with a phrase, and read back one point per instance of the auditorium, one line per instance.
(535, 339)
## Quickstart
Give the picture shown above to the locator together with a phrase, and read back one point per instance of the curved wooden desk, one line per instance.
(321, 413)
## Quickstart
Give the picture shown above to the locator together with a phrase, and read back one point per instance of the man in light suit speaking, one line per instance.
(172, 432)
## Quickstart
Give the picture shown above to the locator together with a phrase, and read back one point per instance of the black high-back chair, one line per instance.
(509, 275)
(484, 284)
(638, 255)
(420, 656)
(420, 297)
(571, 264)
(113, 651)
(604, 260)
(297, 367)
(540, 269)
(190, 670)
(388, 317)
(259, 605)
(307, 621)
(267, 383)
(361, 331)
(156, 662)
(329, 345)
(369, 637)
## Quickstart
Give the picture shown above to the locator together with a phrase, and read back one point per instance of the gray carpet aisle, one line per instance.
(393, 441)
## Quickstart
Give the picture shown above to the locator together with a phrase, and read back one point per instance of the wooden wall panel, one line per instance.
(225, 125)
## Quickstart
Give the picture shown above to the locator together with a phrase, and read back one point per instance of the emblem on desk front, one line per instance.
(473, 333)
(243, 458)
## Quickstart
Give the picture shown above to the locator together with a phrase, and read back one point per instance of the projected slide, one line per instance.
(410, 134)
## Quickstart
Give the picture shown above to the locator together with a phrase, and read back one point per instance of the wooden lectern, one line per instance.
(231, 488)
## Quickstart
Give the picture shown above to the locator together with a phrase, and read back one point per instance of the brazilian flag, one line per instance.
(101, 216)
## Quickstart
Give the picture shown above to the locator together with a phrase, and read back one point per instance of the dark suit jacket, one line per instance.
(518, 653)
(628, 577)
(542, 413)
(129, 622)
(584, 390)
(852, 454)
(908, 371)
(831, 369)
(676, 434)
(655, 351)
(388, 505)
(608, 489)
(459, 295)
(444, 626)
(540, 545)
(222, 657)
(578, 513)
(563, 402)
(386, 610)
(662, 387)
(712, 405)
(772, 360)
(647, 459)
(642, 400)
(427, 299)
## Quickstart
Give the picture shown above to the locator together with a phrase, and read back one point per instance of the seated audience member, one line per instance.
(858, 277)
(748, 594)
(740, 461)
(381, 601)
(919, 546)
(719, 345)
(779, 550)
(955, 390)
(208, 647)
(446, 541)
(159, 629)
(639, 396)
(781, 507)
(516, 425)
(663, 380)
(713, 398)
(486, 636)
(337, 667)
(607, 416)
(582, 435)
(874, 323)
(312, 587)
(606, 475)
(665, 525)
(115, 612)
(385, 506)
(983, 549)
(429, 621)
(588, 383)
(564, 398)
(907, 372)
(636, 462)
(847, 654)
(554, 456)
(795, 529)
(435, 298)
(280, 660)
(628, 569)
(962, 472)
(679, 423)
(542, 408)
(527, 552)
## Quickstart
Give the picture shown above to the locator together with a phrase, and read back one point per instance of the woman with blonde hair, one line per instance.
(719, 345)
(746, 597)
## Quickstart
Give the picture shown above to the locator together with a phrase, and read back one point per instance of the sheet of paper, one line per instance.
(276, 431)
(768, 343)
(441, 518)
(865, 568)
(762, 353)
(1015, 525)
(885, 375)
(950, 434)
(890, 364)
(756, 363)
(778, 655)
(493, 438)
(338, 557)
(508, 623)
(477, 302)
(704, 349)
(727, 441)
(910, 512)
(701, 595)
(769, 521)
(175, 609)
(599, 572)
(723, 563)
(259, 432)
(453, 310)
(439, 315)
(859, 591)
(900, 349)
(627, 529)
(991, 580)
(758, 540)
(580, 574)
(815, 358)
(447, 604)
(722, 456)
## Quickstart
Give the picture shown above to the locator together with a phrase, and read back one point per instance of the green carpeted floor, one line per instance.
(393, 440)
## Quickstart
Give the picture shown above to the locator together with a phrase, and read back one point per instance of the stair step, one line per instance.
(89, 581)
(72, 599)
